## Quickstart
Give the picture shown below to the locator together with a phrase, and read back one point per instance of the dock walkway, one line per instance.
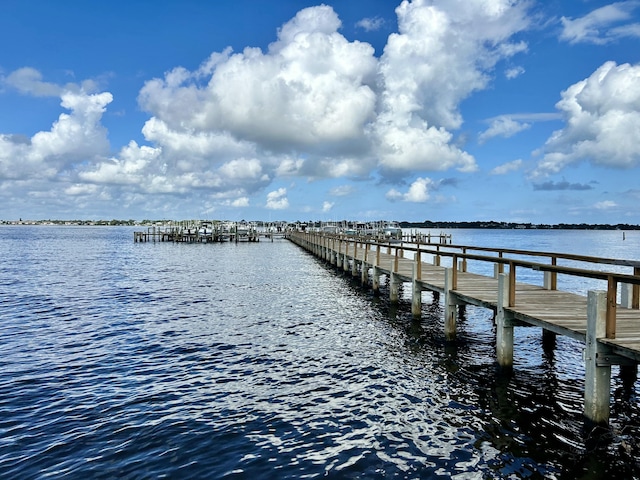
(606, 321)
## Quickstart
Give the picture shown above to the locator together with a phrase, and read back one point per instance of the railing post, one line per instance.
(597, 377)
(376, 272)
(498, 267)
(364, 271)
(635, 297)
(416, 291)
(394, 286)
(464, 261)
(454, 273)
(396, 261)
(504, 324)
(450, 304)
(345, 258)
(551, 278)
(612, 295)
(354, 265)
(334, 255)
(512, 284)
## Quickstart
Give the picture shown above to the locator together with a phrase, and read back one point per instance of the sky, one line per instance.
(442, 110)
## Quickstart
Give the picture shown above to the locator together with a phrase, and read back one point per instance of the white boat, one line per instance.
(205, 229)
(392, 231)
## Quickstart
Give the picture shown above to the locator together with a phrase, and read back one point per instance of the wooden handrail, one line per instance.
(633, 279)
(612, 278)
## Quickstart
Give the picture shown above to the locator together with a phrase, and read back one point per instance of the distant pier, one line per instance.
(206, 232)
(609, 329)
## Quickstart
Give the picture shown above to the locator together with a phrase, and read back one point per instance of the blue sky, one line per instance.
(444, 110)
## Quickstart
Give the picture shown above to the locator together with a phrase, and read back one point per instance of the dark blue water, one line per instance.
(123, 360)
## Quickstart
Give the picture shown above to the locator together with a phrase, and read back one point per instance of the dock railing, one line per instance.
(461, 254)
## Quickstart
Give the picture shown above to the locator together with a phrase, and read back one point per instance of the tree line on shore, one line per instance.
(427, 224)
(515, 225)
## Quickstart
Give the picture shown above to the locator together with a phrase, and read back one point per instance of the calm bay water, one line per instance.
(123, 360)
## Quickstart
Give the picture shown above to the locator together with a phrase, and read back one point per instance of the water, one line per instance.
(123, 360)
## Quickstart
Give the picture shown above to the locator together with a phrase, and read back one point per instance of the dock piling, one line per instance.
(504, 324)
(450, 305)
(597, 377)
(416, 292)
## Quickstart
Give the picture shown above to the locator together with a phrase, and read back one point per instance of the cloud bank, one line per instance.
(316, 105)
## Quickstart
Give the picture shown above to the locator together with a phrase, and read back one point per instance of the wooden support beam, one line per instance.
(416, 291)
(354, 265)
(376, 274)
(345, 258)
(597, 377)
(364, 268)
(504, 325)
(396, 261)
(394, 288)
(450, 305)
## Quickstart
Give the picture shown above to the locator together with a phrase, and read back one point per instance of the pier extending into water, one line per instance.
(607, 321)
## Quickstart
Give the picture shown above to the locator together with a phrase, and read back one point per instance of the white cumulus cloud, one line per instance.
(602, 120)
(444, 51)
(75, 138)
(277, 200)
(418, 192)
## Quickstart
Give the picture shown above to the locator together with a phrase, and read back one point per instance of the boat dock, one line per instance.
(606, 321)
(207, 231)
(201, 231)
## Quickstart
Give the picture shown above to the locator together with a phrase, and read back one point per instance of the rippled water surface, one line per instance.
(123, 360)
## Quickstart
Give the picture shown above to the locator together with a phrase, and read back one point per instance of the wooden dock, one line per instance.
(607, 321)
(205, 232)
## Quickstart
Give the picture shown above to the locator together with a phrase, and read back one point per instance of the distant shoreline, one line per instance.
(491, 225)
(519, 226)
